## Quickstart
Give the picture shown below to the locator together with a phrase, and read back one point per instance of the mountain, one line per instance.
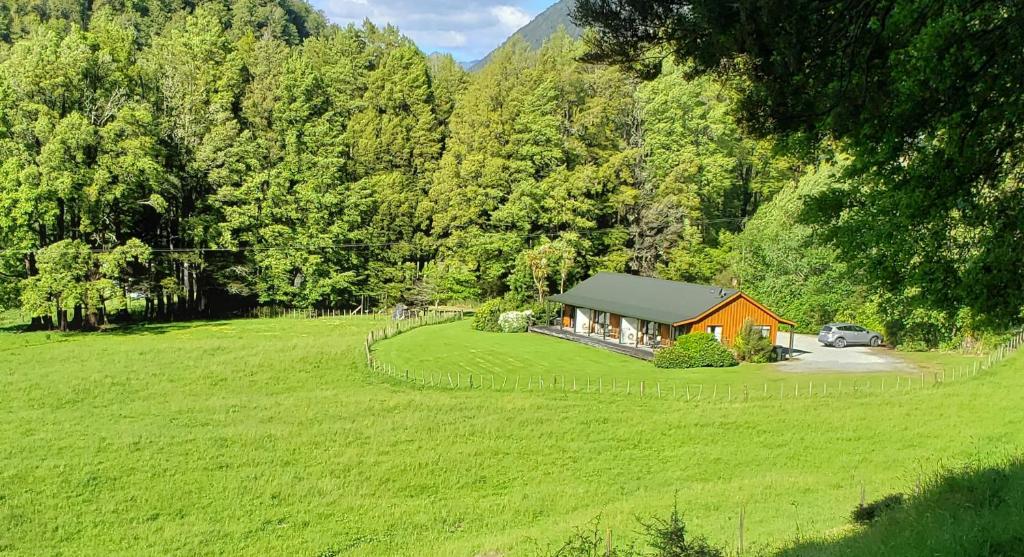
(540, 28)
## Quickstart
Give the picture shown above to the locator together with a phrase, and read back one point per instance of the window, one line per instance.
(764, 329)
(715, 330)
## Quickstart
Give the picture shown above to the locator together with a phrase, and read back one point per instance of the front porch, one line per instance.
(598, 341)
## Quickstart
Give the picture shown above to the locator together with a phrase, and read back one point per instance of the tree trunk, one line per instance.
(170, 307)
(62, 319)
(77, 320)
(37, 323)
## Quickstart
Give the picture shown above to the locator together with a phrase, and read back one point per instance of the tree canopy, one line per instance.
(226, 154)
(924, 96)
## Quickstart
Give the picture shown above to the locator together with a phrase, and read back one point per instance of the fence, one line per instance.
(690, 392)
(266, 312)
(398, 327)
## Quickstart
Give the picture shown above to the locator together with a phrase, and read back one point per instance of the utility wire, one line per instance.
(352, 245)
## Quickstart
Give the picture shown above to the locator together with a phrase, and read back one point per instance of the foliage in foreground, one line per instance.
(659, 537)
(694, 350)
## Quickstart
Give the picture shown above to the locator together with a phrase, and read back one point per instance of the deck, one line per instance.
(640, 352)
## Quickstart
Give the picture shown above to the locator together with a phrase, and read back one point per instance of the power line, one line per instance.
(357, 245)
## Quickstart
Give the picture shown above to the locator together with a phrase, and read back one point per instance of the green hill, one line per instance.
(540, 28)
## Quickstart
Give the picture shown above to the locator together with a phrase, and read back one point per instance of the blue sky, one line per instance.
(468, 29)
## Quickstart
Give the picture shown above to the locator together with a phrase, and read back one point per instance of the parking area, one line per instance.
(809, 355)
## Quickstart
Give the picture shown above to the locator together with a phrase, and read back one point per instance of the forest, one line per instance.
(200, 158)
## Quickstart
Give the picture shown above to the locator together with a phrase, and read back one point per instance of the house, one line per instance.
(650, 312)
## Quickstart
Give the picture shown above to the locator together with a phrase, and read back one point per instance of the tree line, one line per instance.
(202, 156)
(205, 157)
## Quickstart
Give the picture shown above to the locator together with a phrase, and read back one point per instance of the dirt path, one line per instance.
(809, 355)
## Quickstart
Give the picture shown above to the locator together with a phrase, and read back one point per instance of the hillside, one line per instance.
(540, 28)
(271, 430)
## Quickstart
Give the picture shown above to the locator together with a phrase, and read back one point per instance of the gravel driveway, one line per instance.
(810, 355)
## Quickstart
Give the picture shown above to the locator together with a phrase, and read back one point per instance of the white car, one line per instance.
(842, 335)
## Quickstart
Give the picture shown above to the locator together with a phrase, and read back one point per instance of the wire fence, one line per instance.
(274, 312)
(432, 317)
(669, 390)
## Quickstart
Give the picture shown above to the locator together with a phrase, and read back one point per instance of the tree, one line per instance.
(790, 265)
(923, 95)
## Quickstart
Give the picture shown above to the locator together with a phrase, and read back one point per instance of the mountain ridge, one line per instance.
(538, 30)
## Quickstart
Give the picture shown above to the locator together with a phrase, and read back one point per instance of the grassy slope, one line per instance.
(458, 348)
(968, 510)
(266, 437)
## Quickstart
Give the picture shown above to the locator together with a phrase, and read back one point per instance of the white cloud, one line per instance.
(469, 29)
(511, 17)
(442, 39)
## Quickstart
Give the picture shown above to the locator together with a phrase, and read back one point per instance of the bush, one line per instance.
(913, 346)
(666, 537)
(694, 350)
(544, 313)
(750, 346)
(486, 316)
(515, 321)
(864, 514)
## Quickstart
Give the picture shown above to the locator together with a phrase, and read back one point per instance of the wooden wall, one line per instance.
(731, 316)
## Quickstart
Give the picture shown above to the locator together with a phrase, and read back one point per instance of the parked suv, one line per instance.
(844, 334)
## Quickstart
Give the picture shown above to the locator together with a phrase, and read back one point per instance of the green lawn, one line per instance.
(268, 437)
(531, 360)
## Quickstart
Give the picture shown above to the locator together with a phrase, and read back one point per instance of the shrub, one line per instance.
(913, 346)
(750, 346)
(864, 514)
(486, 316)
(666, 537)
(694, 350)
(544, 313)
(515, 321)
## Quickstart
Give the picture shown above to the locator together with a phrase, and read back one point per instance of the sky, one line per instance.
(468, 29)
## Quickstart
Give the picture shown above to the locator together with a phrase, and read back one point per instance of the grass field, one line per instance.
(529, 358)
(260, 437)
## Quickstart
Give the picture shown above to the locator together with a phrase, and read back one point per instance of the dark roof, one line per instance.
(651, 299)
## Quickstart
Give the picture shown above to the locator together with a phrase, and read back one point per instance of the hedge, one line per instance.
(694, 350)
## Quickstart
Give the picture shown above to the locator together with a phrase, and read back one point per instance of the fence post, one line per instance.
(742, 520)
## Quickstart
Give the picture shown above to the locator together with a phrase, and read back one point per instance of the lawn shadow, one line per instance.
(140, 328)
(162, 327)
(970, 511)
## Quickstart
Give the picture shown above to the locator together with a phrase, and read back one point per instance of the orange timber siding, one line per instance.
(615, 324)
(567, 311)
(730, 317)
